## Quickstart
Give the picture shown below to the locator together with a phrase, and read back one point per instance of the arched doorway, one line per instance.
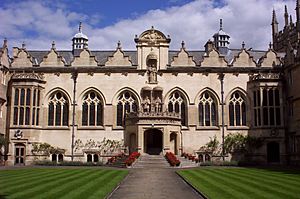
(273, 152)
(173, 143)
(19, 154)
(153, 139)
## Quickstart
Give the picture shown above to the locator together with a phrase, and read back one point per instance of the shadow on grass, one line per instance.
(3, 196)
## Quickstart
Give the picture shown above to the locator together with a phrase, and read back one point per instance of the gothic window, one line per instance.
(267, 111)
(58, 110)
(207, 108)
(126, 103)
(92, 110)
(237, 110)
(26, 106)
(177, 104)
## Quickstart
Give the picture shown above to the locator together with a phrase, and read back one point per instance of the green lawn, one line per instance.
(59, 183)
(216, 183)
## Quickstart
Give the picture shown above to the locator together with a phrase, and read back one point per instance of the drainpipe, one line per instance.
(221, 78)
(74, 77)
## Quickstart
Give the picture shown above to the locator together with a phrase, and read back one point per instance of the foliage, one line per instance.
(45, 149)
(213, 146)
(106, 146)
(3, 141)
(132, 157)
(241, 143)
(172, 159)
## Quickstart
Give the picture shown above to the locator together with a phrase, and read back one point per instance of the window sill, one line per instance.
(208, 128)
(25, 127)
(238, 128)
(57, 128)
(91, 128)
(118, 128)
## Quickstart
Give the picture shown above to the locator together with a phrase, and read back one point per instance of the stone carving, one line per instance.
(37, 76)
(158, 104)
(275, 76)
(152, 36)
(146, 104)
(152, 72)
(18, 134)
(152, 67)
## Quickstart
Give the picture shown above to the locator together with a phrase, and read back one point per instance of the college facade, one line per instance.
(153, 99)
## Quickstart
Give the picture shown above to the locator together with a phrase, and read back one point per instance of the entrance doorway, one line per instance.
(153, 139)
(19, 154)
(273, 152)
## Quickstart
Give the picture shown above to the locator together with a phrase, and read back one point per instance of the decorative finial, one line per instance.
(23, 45)
(152, 27)
(80, 26)
(53, 45)
(243, 45)
(221, 24)
(5, 42)
(182, 45)
(291, 20)
(119, 45)
(270, 45)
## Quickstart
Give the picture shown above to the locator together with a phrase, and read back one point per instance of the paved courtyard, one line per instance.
(152, 179)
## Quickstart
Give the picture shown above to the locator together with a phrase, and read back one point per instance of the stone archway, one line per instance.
(273, 152)
(153, 141)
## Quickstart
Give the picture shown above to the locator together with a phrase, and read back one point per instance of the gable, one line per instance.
(84, 59)
(118, 59)
(213, 59)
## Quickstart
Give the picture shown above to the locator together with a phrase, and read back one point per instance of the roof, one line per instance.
(80, 35)
(102, 56)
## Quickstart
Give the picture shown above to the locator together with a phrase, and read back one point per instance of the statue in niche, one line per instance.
(146, 104)
(152, 74)
(158, 104)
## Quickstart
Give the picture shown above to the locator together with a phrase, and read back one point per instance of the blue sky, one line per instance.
(38, 23)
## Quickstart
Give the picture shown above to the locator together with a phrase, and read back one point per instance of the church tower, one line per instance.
(221, 40)
(80, 40)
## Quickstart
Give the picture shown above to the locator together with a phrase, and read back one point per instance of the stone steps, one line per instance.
(151, 161)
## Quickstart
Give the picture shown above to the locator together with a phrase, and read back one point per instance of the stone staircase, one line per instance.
(186, 163)
(151, 161)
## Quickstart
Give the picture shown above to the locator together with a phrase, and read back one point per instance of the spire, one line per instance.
(243, 45)
(274, 24)
(291, 20)
(270, 46)
(221, 24)
(286, 16)
(274, 18)
(80, 27)
(298, 15)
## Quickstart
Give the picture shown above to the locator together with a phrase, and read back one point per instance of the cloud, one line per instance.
(38, 23)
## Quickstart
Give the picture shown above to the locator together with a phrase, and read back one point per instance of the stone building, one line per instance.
(154, 99)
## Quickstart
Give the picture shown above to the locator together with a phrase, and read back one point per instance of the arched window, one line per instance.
(207, 108)
(92, 110)
(89, 158)
(237, 110)
(60, 157)
(54, 158)
(96, 158)
(126, 103)
(177, 104)
(58, 110)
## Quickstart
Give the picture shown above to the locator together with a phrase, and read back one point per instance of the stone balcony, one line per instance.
(152, 117)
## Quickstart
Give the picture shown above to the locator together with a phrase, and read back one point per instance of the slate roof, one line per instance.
(102, 56)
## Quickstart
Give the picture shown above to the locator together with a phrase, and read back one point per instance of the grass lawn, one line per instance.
(216, 183)
(59, 183)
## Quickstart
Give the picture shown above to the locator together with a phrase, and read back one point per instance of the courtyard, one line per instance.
(97, 182)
